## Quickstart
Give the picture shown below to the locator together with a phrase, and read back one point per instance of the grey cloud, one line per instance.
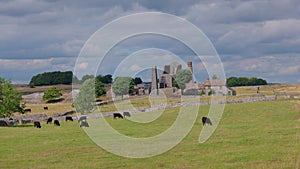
(239, 29)
(228, 12)
(17, 8)
(14, 69)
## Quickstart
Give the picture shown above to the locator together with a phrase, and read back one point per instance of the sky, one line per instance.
(259, 38)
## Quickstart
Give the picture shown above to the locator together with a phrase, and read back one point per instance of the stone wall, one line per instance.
(42, 117)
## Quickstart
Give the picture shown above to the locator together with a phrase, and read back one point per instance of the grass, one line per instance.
(53, 108)
(269, 89)
(29, 90)
(250, 135)
(245, 90)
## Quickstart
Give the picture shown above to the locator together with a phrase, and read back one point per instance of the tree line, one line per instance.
(51, 78)
(57, 77)
(244, 81)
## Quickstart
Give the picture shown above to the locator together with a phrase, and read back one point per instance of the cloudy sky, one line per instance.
(258, 38)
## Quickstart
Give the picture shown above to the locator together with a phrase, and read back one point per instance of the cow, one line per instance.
(49, 120)
(82, 118)
(69, 118)
(13, 122)
(45, 108)
(126, 113)
(206, 120)
(84, 124)
(3, 123)
(56, 123)
(27, 110)
(119, 115)
(37, 124)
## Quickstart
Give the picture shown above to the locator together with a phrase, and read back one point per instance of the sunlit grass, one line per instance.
(53, 108)
(250, 135)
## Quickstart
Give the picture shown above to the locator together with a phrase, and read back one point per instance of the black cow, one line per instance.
(27, 110)
(3, 123)
(45, 108)
(49, 120)
(56, 123)
(82, 118)
(119, 115)
(69, 118)
(37, 124)
(206, 120)
(84, 124)
(126, 113)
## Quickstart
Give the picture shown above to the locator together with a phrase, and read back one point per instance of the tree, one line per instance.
(175, 84)
(86, 77)
(261, 82)
(75, 80)
(9, 99)
(244, 81)
(202, 92)
(84, 101)
(211, 92)
(183, 76)
(232, 81)
(123, 85)
(51, 94)
(215, 77)
(100, 89)
(137, 80)
(107, 79)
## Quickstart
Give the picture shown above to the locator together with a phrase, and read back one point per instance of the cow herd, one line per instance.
(14, 122)
(56, 122)
(82, 120)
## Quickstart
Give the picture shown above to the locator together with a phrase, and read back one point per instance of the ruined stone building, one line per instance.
(166, 83)
(166, 79)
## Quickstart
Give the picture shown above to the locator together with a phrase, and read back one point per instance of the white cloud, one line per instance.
(289, 70)
(23, 65)
(135, 68)
(83, 65)
(37, 64)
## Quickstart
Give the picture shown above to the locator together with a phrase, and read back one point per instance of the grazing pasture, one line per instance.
(250, 135)
(55, 108)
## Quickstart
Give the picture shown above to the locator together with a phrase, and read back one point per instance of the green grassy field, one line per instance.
(54, 108)
(250, 135)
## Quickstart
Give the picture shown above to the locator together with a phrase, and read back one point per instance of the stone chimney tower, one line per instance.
(154, 84)
(190, 67)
